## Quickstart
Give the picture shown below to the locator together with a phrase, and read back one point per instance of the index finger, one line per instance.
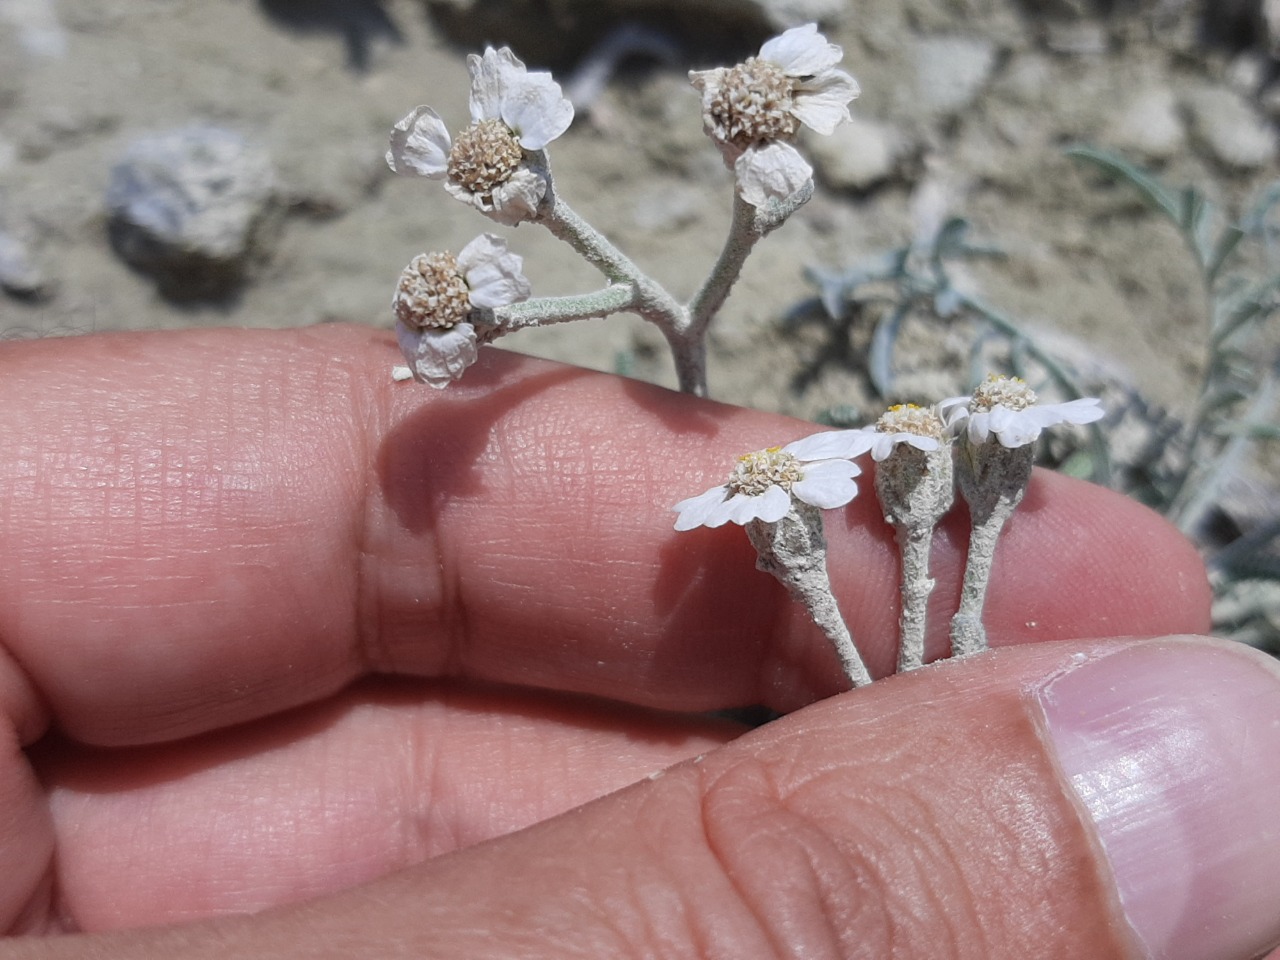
(207, 526)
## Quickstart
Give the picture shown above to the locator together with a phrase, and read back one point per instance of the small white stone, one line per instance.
(1149, 124)
(951, 71)
(1231, 129)
(859, 154)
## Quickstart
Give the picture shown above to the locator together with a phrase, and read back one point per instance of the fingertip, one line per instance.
(1169, 747)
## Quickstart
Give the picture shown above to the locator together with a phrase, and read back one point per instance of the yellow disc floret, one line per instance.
(758, 471)
(909, 418)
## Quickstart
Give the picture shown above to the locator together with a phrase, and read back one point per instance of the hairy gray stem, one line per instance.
(544, 310)
(794, 551)
(747, 228)
(684, 326)
(917, 585)
(992, 480)
(916, 490)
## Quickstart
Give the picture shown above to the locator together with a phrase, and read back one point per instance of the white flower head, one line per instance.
(512, 112)
(1006, 408)
(437, 300)
(903, 423)
(755, 109)
(763, 483)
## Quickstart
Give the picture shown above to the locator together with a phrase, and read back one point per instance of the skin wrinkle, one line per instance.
(663, 909)
(168, 491)
(695, 871)
(369, 610)
(962, 845)
(730, 842)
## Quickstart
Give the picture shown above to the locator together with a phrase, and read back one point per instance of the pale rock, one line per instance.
(782, 14)
(37, 27)
(1149, 124)
(192, 207)
(666, 207)
(20, 275)
(1083, 38)
(1231, 129)
(858, 155)
(951, 71)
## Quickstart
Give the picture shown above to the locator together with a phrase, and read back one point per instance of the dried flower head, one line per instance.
(755, 109)
(513, 112)
(432, 292)
(1007, 408)
(762, 484)
(437, 303)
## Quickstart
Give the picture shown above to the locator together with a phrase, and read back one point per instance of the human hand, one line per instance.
(286, 643)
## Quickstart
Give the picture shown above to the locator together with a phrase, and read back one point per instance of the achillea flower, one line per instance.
(512, 112)
(763, 484)
(755, 109)
(907, 423)
(1006, 408)
(437, 300)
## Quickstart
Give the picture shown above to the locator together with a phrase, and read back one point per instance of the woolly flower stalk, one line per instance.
(777, 495)
(439, 303)
(915, 486)
(753, 111)
(997, 428)
(513, 113)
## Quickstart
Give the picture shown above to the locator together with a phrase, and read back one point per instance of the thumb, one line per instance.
(1097, 800)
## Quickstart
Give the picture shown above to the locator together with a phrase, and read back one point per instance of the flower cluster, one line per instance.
(770, 490)
(764, 484)
(498, 164)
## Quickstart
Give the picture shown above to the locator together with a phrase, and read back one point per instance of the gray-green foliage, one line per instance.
(919, 279)
(1183, 469)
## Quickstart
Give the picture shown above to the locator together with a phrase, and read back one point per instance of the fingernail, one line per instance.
(1173, 748)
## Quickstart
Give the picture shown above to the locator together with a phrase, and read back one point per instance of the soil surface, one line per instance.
(966, 108)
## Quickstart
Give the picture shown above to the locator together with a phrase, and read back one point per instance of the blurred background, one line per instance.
(178, 163)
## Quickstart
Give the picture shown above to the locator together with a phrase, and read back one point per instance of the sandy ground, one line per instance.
(977, 99)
